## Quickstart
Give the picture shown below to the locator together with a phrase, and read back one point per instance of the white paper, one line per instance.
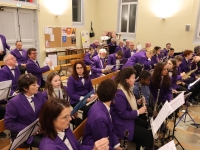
(25, 134)
(139, 47)
(52, 37)
(177, 102)
(168, 146)
(46, 30)
(109, 67)
(54, 60)
(193, 83)
(50, 31)
(47, 60)
(162, 115)
(4, 89)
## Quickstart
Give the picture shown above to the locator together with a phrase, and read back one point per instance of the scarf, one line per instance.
(130, 98)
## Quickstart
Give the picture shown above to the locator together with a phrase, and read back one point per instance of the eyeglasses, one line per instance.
(13, 58)
(79, 68)
(34, 53)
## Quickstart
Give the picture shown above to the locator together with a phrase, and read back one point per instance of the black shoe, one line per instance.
(193, 102)
(3, 135)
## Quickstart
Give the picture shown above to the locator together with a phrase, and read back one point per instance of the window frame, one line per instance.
(82, 16)
(120, 19)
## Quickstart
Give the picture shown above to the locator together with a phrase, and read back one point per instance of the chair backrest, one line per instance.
(2, 126)
(74, 60)
(75, 56)
(1, 63)
(79, 131)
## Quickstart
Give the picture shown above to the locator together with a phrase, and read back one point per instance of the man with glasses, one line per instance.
(3, 47)
(10, 71)
(34, 68)
(21, 56)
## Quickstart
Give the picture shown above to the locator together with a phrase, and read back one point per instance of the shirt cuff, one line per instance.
(81, 98)
(138, 113)
(116, 146)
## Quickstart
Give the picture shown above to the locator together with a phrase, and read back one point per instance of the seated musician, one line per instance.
(169, 55)
(141, 88)
(10, 71)
(98, 65)
(142, 57)
(96, 50)
(129, 52)
(161, 80)
(21, 56)
(34, 68)
(120, 46)
(165, 50)
(112, 43)
(125, 113)
(88, 56)
(54, 119)
(157, 57)
(24, 108)
(126, 46)
(99, 121)
(95, 44)
(116, 60)
(79, 85)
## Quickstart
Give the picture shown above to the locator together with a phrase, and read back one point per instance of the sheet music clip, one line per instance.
(155, 136)
(81, 103)
(25, 134)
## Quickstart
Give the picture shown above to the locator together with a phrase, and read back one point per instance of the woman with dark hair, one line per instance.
(161, 80)
(79, 85)
(54, 121)
(138, 68)
(125, 113)
(24, 108)
(157, 57)
(99, 122)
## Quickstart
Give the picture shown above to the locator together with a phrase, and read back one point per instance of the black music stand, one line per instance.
(5, 88)
(25, 134)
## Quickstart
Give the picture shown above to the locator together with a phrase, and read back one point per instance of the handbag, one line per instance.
(92, 34)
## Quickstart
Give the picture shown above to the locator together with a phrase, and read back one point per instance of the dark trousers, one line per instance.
(2, 111)
(22, 69)
(142, 136)
(85, 110)
(2, 56)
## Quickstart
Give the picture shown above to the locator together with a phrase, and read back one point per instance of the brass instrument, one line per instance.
(124, 146)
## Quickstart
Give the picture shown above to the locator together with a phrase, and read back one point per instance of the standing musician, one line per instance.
(141, 88)
(125, 113)
(161, 80)
(79, 85)
(99, 121)
(10, 71)
(24, 108)
(21, 56)
(54, 119)
(3, 46)
(142, 57)
(157, 57)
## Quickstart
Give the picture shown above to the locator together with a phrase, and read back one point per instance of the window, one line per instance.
(77, 11)
(127, 16)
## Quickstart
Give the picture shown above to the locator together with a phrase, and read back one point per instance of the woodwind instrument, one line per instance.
(144, 104)
(124, 146)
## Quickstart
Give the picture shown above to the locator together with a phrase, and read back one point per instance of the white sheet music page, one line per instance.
(162, 115)
(177, 102)
(109, 67)
(168, 146)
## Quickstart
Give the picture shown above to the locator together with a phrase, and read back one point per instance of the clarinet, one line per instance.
(158, 95)
(143, 102)
(125, 140)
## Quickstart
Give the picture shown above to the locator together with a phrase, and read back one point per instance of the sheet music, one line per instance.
(177, 102)
(193, 83)
(162, 115)
(47, 60)
(4, 89)
(24, 134)
(168, 146)
(109, 67)
(54, 60)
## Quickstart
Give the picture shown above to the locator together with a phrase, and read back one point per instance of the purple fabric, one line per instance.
(19, 113)
(118, 48)
(164, 52)
(122, 116)
(87, 59)
(187, 66)
(6, 74)
(156, 58)
(5, 45)
(111, 44)
(93, 45)
(44, 93)
(21, 59)
(76, 89)
(58, 144)
(112, 61)
(127, 53)
(35, 70)
(96, 67)
(99, 125)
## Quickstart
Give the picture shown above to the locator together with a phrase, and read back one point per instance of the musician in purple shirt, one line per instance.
(88, 56)
(129, 52)
(157, 57)
(120, 46)
(95, 44)
(170, 55)
(54, 125)
(126, 47)
(21, 56)
(165, 51)
(116, 60)
(3, 46)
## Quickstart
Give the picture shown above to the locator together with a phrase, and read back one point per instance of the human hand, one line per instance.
(102, 144)
(142, 110)
(49, 63)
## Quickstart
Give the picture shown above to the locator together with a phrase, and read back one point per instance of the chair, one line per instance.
(79, 131)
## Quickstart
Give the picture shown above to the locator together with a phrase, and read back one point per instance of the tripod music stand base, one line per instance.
(195, 124)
